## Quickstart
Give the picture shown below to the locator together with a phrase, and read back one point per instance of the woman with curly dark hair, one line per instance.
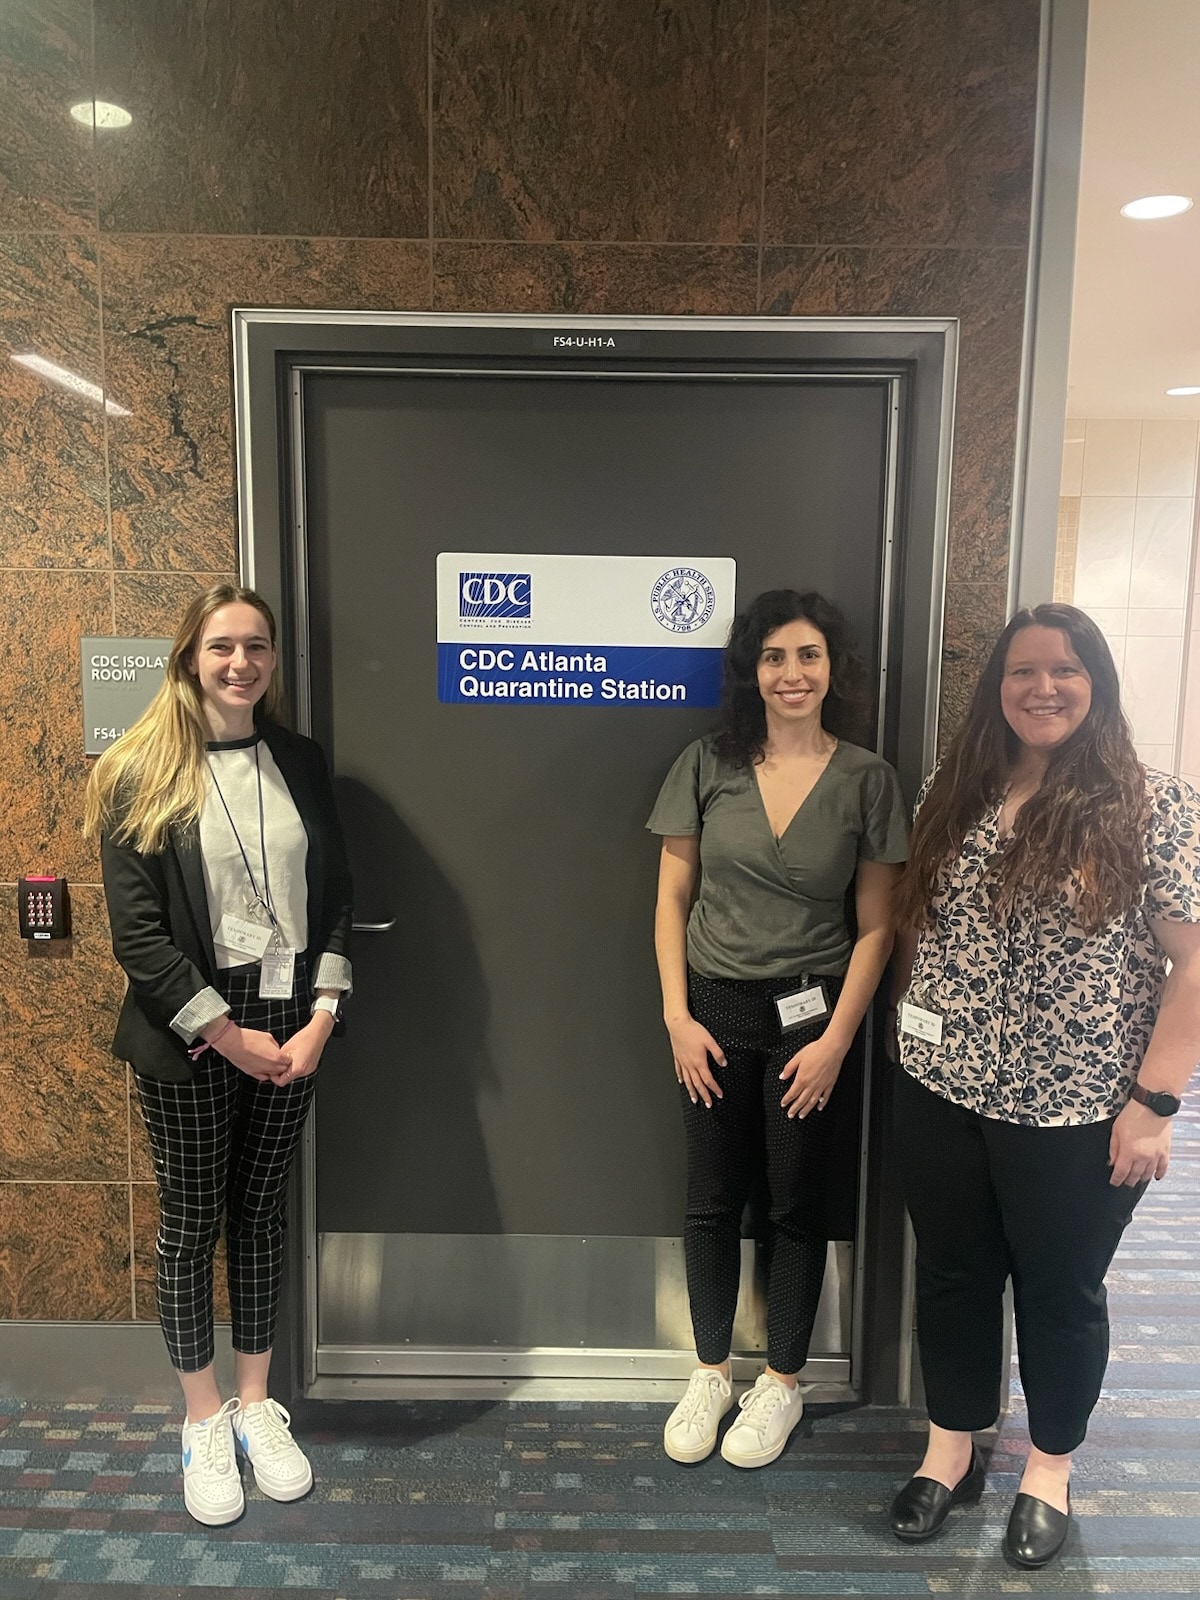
(769, 826)
(1044, 1049)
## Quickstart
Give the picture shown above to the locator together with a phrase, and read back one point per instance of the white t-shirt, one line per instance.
(232, 766)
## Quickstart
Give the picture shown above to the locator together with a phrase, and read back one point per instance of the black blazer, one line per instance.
(159, 914)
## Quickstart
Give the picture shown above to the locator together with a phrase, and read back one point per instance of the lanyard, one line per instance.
(264, 899)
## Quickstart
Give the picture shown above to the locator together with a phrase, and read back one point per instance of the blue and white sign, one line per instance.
(592, 630)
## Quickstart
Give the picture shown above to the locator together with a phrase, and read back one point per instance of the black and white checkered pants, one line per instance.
(223, 1145)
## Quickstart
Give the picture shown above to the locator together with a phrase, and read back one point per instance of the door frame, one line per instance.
(271, 351)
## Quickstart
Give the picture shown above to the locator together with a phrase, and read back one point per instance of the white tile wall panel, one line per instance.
(1162, 537)
(1150, 682)
(1110, 457)
(1167, 460)
(1104, 554)
(1154, 622)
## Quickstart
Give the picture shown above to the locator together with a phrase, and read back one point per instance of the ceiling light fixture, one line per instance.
(1191, 388)
(66, 379)
(1152, 206)
(101, 114)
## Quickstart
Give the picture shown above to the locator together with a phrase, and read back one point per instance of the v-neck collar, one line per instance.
(778, 838)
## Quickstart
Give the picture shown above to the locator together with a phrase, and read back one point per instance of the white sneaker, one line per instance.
(769, 1413)
(212, 1489)
(281, 1468)
(691, 1430)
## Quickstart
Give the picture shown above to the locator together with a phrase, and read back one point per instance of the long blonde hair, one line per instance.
(153, 777)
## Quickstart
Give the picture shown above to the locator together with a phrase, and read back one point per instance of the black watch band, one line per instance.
(1157, 1100)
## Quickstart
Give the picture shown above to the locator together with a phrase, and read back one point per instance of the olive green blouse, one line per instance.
(768, 907)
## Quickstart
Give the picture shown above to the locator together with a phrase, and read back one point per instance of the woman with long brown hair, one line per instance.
(229, 899)
(1044, 1049)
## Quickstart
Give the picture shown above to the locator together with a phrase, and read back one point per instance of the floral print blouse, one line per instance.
(1043, 1023)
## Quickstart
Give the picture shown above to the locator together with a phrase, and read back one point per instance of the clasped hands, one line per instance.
(259, 1055)
(813, 1070)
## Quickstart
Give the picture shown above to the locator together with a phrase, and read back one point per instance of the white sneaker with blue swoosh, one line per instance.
(281, 1468)
(212, 1488)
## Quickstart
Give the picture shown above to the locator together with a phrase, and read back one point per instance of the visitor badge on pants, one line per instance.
(802, 1006)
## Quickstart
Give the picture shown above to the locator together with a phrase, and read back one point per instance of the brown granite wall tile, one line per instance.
(47, 177)
(585, 119)
(975, 616)
(251, 116)
(63, 1111)
(42, 766)
(662, 280)
(151, 605)
(166, 315)
(141, 1166)
(64, 1252)
(145, 1226)
(52, 510)
(900, 121)
(985, 290)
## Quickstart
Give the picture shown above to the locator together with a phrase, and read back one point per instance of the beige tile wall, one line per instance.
(1134, 549)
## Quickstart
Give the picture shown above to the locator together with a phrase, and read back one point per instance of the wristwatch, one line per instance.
(327, 1002)
(1158, 1100)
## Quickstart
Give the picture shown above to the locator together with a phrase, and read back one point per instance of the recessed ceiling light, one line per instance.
(1191, 388)
(1156, 205)
(101, 114)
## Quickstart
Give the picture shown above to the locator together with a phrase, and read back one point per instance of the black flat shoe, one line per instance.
(923, 1504)
(1035, 1531)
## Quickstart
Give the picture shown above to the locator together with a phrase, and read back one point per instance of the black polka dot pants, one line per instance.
(745, 1146)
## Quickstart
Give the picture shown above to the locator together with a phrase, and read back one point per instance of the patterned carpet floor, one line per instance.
(506, 1501)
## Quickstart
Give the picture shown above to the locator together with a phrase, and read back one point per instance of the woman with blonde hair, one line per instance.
(229, 899)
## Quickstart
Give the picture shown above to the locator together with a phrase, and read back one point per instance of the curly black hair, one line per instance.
(742, 733)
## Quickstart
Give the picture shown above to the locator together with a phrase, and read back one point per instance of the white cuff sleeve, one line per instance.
(200, 1010)
(333, 972)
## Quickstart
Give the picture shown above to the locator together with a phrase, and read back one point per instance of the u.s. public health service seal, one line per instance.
(682, 600)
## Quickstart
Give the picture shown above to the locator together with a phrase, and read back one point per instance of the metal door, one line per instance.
(498, 1164)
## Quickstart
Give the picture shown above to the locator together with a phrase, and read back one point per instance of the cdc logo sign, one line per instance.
(493, 594)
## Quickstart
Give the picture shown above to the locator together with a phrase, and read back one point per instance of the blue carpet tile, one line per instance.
(481, 1501)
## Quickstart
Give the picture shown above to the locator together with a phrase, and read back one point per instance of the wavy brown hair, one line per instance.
(1087, 819)
(742, 734)
(153, 778)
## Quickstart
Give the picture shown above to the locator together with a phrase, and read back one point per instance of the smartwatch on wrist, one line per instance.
(1157, 1100)
(330, 1003)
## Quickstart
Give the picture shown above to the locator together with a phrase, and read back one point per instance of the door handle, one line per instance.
(373, 927)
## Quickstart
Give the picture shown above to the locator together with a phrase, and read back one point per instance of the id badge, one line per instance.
(244, 938)
(278, 971)
(802, 1007)
(921, 1024)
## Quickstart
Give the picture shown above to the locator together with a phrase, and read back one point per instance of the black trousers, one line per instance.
(223, 1145)
(990, 1200)
(737, 1149)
